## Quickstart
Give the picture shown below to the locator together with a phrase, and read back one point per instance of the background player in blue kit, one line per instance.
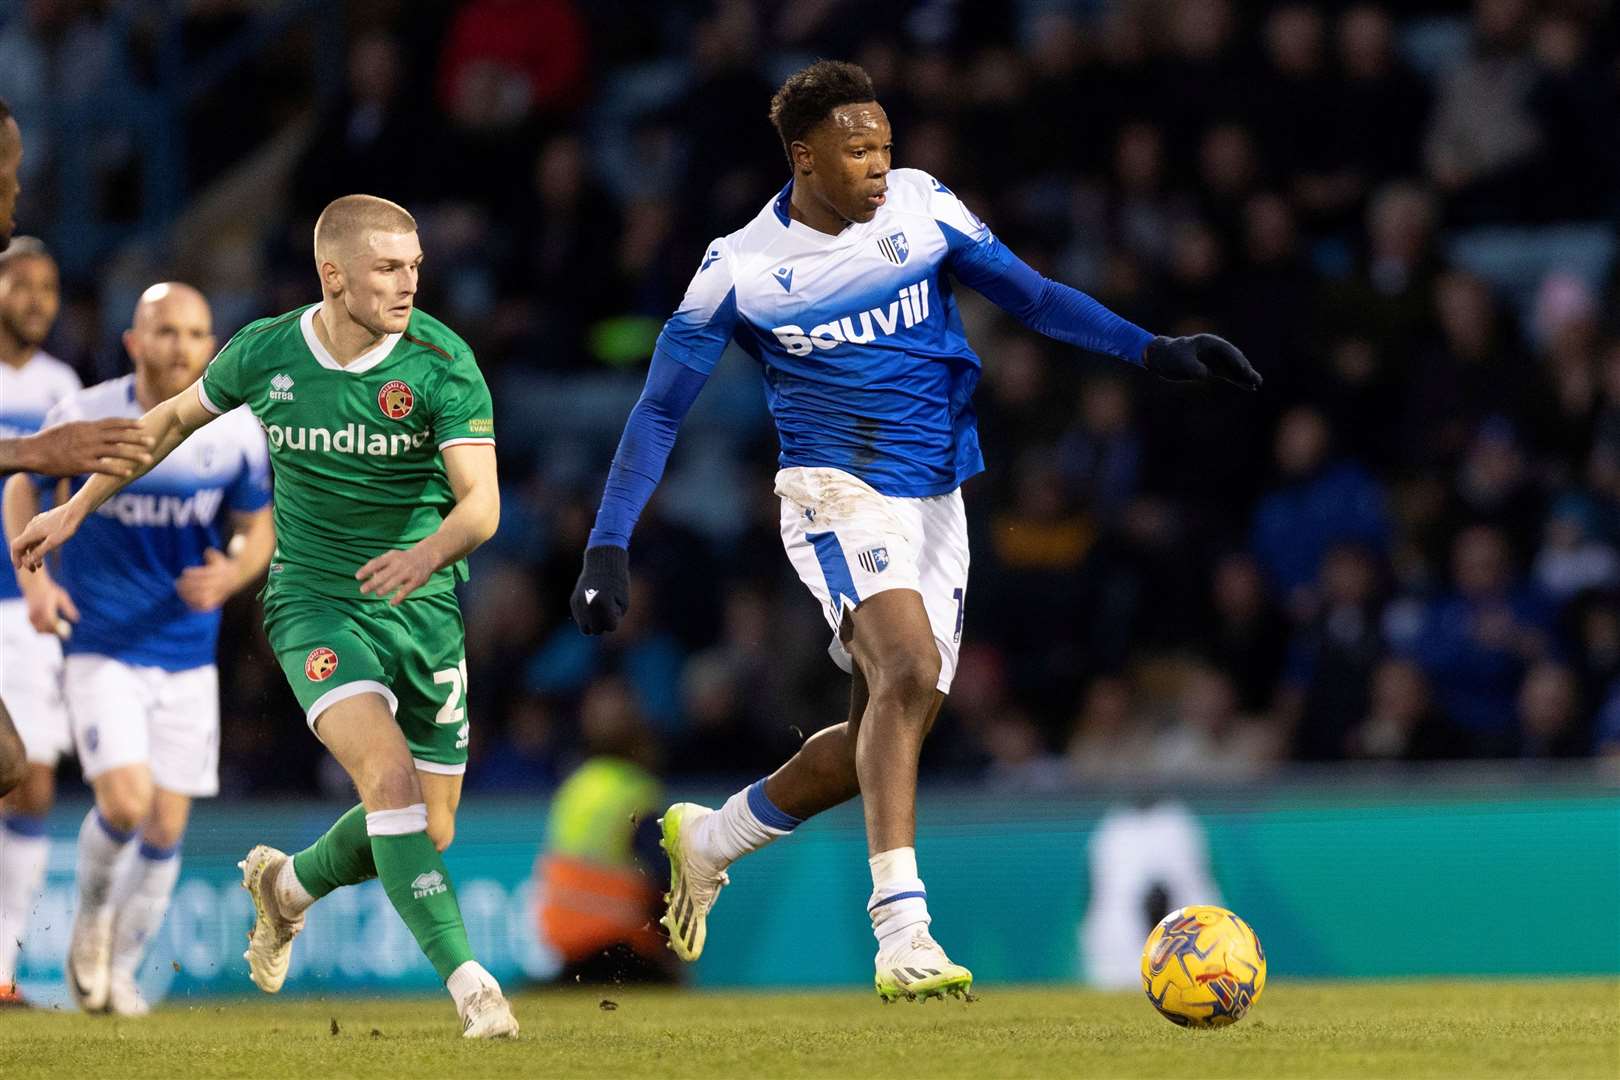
(114, 446)
(841, 289)
(141, 585)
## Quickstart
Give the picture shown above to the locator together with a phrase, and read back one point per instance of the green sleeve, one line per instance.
(222, 380)
(462, 409)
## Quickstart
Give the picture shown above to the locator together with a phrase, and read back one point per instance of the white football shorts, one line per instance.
(125, 714)
(849, 541)
(31, 684)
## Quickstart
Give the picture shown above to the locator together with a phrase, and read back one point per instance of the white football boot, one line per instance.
(488, 1016)
(915, 967)
(89, 960)
(124, 998)
(693, 883)
(270, 941)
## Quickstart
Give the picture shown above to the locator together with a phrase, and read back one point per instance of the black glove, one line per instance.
(602, 594)
(1201, 356)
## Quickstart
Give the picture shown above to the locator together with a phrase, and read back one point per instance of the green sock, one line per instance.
(413, 875)
(341, 857)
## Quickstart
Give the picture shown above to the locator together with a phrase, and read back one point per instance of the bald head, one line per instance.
(168, 300)
(345, 227)
(170, 339)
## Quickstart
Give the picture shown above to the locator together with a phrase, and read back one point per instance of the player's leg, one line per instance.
(108, 839)
(362, 734)
(140, 896)
(183, 749)
(110, 704)
(13, 758)
(906, 643)
(824, 513)
(24, 850)
(31, 742)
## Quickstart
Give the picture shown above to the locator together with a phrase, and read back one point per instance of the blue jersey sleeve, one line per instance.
(702, 326)
(986, 265)
(250, 490)
(649, 436)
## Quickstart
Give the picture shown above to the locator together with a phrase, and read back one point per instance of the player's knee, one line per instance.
(391, 786)
(909, 676)
(123, 809)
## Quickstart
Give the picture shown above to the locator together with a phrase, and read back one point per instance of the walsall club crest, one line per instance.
(319, 664)
(396, 400)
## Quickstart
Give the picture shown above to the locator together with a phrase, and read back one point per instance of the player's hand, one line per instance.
(116, 447)
(43, 535)
(51, 609)
(602, 594)
(207, 587)
(1199, 357)
(397, 574)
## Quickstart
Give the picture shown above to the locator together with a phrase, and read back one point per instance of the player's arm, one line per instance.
(985, 264)
(470, 468)
(50, 608)
(688, 348)
(116, 447)
(224, 574)
(167, 426)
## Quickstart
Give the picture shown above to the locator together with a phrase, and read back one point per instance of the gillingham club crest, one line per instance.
(319, 664)
(396, 400)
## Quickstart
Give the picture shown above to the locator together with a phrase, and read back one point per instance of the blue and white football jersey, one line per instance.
(27, 393)
(866, 365)
(122, 565)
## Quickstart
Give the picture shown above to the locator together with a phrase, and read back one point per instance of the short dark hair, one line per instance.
(5, 111)
(810, 94)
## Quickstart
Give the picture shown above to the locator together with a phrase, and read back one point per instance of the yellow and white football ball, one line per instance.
(1203, 967)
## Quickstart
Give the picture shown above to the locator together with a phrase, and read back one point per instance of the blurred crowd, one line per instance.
(1406, 547)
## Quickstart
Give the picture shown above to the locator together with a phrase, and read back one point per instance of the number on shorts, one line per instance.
(452, 711)
(957, 595)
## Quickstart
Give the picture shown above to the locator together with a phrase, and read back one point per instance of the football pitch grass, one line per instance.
(1564, 1029)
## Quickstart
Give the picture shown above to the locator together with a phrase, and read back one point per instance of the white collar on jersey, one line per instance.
(364, 362)
(851, 232)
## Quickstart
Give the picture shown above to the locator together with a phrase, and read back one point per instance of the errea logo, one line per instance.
(428, 884)
(281, 387)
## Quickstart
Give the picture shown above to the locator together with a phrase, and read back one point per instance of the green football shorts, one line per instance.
(414, 655)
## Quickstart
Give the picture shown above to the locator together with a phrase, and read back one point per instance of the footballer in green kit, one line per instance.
(382, 438)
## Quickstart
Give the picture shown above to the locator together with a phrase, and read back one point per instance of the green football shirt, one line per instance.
(356, 448)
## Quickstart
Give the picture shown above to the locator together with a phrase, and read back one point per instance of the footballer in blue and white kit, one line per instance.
(30, 386)
(842, 288)
(32, 382)
(138, 646)
(139, 588)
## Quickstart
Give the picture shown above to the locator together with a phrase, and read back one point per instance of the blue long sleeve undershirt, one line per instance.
(1045, 306)
(649, 436)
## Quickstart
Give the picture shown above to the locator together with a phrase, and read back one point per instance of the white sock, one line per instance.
(747, 822)
(24, 849)
(100, 845)
(899, 900)
(141, 898)
(467, 980)
(291, 896)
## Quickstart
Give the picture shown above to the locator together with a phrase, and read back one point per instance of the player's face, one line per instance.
(849, 160)
(30, 297)
(10, 162)
(380, 282)
(171, 341)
